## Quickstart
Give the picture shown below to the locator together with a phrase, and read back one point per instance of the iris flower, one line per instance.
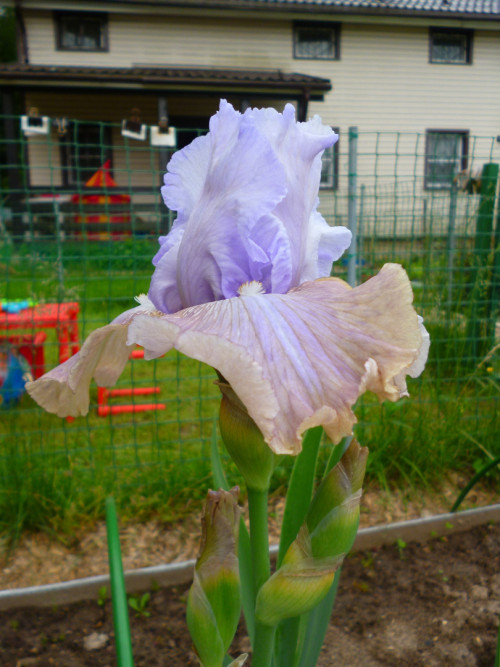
(241, 283)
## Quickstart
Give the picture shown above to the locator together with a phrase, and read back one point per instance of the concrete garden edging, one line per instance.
(415, 530)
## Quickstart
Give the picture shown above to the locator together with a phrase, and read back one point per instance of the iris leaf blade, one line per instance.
(300, 489)
(317, 625)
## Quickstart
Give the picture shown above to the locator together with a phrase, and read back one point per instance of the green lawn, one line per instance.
(55, 474)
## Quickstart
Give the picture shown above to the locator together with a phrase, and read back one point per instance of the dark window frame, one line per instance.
(73, 174)
(335, 159)
(317, 25)
(462, 159)
(463, 32)
(101, 17)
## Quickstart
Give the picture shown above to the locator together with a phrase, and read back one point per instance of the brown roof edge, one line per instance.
(179, 76)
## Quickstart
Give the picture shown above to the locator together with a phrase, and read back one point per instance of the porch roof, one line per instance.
(168, 79)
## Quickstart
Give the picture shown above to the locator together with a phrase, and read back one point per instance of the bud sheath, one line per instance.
(327, 534)
(244, 441)
(214, 601)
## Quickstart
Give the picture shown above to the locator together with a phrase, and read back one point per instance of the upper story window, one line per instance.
(330, 166)
(316, 41)
(450, 46)
(446, 153)
(81, 31)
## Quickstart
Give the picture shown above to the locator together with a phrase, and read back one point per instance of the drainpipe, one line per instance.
(22, 43)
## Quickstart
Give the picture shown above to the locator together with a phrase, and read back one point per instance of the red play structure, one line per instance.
(102, 210)
(103, 409)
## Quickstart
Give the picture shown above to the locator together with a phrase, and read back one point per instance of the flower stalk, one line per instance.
(259, 541)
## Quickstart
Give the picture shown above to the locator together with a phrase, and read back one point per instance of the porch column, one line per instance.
(163, 156)
(303, 103)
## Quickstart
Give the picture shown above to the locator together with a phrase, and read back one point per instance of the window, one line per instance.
(316, 41)
(450, 46)
(81, 31)
(84, 149)
(445, 156)
(330, 167)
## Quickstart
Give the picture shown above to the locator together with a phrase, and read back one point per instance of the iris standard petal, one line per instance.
(242, 182)
(325, 245)
(299, 147)
(301, 359)
(246, 199)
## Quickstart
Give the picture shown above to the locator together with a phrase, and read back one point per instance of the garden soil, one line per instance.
(433, 604)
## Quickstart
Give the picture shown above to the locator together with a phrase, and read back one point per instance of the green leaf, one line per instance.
(248, 593)
(317, 622)
(337, 453)
(220, 481)
(300, 489)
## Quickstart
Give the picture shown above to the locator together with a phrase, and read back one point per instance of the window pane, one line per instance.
(91, 35)
(444, 146)
(315, 43)
(440, 174)
(82, 32)
(327, 168)
(70, 30)
(449, 48)
(443, 159)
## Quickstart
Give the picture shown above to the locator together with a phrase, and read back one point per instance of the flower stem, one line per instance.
(264, 644)
(259, 541)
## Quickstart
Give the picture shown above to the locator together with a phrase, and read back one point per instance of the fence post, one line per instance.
(482, 275)
(451, 240)
(360, 231)
(352, 221)
(493, 304)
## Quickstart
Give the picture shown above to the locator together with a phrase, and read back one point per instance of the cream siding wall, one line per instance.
(383, 80)
(169, 40)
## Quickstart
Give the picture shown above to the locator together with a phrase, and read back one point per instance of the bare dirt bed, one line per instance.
(435, 604)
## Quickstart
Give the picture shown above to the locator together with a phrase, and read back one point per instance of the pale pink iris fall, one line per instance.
(241, 284)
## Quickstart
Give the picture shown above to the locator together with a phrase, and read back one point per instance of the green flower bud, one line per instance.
(214, 600)
(309, 565)
(333, 517)
(244, 441)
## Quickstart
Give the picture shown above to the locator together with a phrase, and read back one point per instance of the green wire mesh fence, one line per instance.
(80, 213)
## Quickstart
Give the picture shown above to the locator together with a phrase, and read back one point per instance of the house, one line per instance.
(425, 70)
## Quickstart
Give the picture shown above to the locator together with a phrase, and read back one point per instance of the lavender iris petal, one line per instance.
(246, 198)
